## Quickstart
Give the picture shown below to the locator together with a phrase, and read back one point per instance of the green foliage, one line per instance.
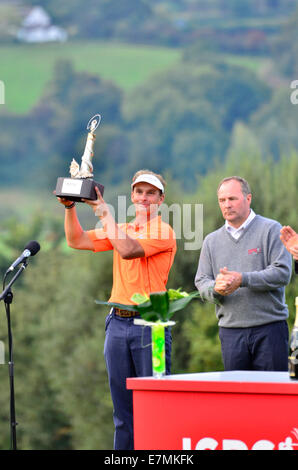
(284, 48)
(200, 333)
(101, 19)
(59, 336)
(189, 106)
(69, 102)
(160, 306)
(62, 396)
(228, 91)
(165, 21)
(200, 121)
(10, 19)
(275, 124)
(42, 226)
(274, 195)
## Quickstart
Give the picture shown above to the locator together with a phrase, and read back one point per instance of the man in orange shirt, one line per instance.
(144, 252)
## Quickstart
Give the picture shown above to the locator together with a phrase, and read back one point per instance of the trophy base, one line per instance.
(76, 189)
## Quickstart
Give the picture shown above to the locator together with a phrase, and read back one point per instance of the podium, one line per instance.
(236, 410)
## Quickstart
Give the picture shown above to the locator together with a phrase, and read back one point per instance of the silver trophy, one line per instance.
(81, 185)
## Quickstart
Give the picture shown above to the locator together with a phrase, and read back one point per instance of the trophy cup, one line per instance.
(81, 184)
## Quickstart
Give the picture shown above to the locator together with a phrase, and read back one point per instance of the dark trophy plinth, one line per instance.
(81, 184)
(77, 189)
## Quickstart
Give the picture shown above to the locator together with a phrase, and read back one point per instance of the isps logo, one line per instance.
(209, 443)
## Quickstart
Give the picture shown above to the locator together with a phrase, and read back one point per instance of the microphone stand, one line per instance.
(7, 296)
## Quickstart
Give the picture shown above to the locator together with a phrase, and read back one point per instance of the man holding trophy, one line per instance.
(143, 253)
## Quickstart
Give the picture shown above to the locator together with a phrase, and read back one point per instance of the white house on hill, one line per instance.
(37, 27)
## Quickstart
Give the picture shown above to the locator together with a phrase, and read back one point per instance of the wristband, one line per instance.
(71, 206)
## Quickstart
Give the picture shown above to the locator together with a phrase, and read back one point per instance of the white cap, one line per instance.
(151, 179)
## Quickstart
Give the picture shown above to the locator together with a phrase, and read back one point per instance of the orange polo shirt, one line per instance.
(140, 275)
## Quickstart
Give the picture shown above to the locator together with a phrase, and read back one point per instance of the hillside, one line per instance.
(26, 69)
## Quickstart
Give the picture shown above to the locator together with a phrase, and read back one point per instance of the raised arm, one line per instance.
(127, 247)
(76, 237)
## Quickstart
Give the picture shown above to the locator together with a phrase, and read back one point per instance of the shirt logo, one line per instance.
(254, 251)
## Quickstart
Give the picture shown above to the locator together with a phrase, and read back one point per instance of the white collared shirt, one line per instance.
(236, 232)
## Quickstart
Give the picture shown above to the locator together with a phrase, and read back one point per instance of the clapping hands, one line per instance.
(227, 281)
(290, 239)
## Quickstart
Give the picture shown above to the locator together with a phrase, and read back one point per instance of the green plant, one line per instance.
(158, 306)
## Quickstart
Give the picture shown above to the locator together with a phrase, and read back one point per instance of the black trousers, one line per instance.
(263, 347)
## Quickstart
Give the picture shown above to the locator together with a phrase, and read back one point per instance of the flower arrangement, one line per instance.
(158, 306)
(156, 311)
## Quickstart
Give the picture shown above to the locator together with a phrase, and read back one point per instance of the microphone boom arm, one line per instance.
(15, 277)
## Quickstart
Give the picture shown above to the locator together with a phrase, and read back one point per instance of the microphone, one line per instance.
(31, 249)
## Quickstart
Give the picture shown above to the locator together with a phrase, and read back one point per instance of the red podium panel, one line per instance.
(217, 410)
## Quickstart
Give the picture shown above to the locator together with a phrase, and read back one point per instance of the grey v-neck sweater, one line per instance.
(266, 269)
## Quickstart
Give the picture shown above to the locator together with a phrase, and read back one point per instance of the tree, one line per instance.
(176, 126)
(275, 125)
(55, 131)
(101, 19)
(235, 93)
(284, 48)
(186, 123)
(62, 396)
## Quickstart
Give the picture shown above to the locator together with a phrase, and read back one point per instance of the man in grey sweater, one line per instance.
(244, 268)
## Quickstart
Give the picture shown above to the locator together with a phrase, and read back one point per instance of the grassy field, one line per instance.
(25, 69)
